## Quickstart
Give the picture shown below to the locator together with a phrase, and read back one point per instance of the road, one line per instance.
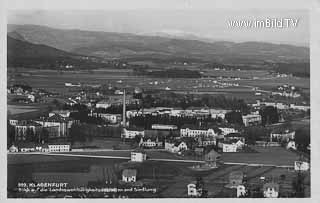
(164, 160)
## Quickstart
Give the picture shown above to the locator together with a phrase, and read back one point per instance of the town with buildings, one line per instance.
(139, 125)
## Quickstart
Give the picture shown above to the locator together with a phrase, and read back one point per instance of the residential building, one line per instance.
(103, 104)
(111, 118)
(13, 148)
(164, 127)
(251, 119)
(150, 142)
(196, 132)
(300, 107)
(271, 190)
(192, 190)
(138, 156)
(241, 191)
(228, 146)
(282, 135)
(63, 113)
(129, 175)
(301, 166)
(291, 145)
(176, 146)
(62, 147)
(235, 179)
(130, 134)
(226, 131)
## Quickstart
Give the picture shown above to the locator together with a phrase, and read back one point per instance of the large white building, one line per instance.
(130, 134)
(175, 147)
(138, 156)
(251, 119)
(271, 190)
(163, 127)
(188, 132)
(59, 147)
(129, 175)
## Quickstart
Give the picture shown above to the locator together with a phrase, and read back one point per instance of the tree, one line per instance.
(10, 134)
(234, 117)
(269, 115)
(302, 139)
(44, 135)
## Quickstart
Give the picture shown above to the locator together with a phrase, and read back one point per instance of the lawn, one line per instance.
(265, 155)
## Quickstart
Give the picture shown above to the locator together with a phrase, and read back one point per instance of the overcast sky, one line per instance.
(209, 23)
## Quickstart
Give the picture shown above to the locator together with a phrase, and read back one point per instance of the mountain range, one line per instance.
(110, 45)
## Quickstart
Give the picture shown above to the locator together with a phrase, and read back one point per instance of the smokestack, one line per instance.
(124, 109)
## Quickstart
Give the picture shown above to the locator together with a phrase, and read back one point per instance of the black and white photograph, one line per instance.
(168, 102)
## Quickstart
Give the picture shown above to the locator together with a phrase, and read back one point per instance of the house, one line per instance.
(235, 179)
(26, 147)
(226, 131)
(13, 122)
(229, 147)
(164, 127)
(103, 104)
(291, 145)
(150, 142)
(138, 156)
(215, 113)
(13, 148)
(193, 190)
(31, 97)
(129, 175)
(240, 144)
(130, 134)
(63, 113)
(111, 118)
(241, 191)
(301, 166)
(196, 132)
(176, 146)
(271, 190)
(251, 119)
(206, 141)
(234, 136)
(282, 135)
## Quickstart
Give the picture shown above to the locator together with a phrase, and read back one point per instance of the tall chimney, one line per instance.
(124, 109)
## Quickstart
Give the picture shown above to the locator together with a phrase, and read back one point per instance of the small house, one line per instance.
(13, 148)
(235, 179)
(301, 166)
(192, 190)
(291, 145)
(138, 156)
(129, 175)
(271, 190)
(229, 147)
(241, 191)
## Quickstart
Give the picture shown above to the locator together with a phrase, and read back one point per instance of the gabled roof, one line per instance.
(271, 185)
(129, 172)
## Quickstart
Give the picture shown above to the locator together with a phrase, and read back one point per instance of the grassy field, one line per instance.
(266, 155)
(172, 177)
(18, 109)
(54, 81)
